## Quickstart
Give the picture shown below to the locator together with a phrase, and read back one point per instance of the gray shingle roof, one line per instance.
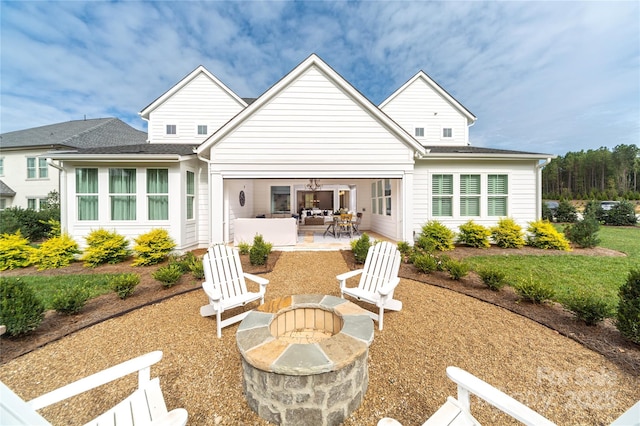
(5, 191)
(75, 134)
(140, 149)
(470, 150)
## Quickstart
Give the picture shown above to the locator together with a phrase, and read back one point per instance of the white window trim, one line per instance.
(166, 130)
(206, 128)
(415, 129)
(442, 136)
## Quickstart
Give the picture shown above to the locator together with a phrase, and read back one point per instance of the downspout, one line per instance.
(63, 195)
(539, 168)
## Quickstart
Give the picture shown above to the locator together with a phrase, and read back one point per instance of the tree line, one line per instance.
(600, 174)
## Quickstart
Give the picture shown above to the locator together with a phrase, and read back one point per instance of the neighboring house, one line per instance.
(213, 157)
(23, 155)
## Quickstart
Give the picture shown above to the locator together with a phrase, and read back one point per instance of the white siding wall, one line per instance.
(199, 102)
(420, 106)
(521, 186)
(15, 176)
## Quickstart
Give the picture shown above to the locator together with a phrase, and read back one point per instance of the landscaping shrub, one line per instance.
(547, 213)
(566, 212)
(56, 252)
(493, 278)
(259, 251)
(425, 263)
(15, 251)
(244, 248)
(622, 214)
(105, 247)
(189, 262)
(20, 310)
(439, 234)
(584, 233)
(543, 235)
(70, 300)
(507, 234)
(360, 248)
(169, 274)
(474, 235)
(628, 316)
(153, 247)
(457, 269)
(405, 250)
(124, 284)
(197, 269)
(534, 291)
(442, 261)
(594, 208)
(588, 307)
(33, 225)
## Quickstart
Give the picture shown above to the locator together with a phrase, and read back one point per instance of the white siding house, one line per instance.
(257, 158)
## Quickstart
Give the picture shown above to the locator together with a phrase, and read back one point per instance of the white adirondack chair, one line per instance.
(378, 280)
(145, 406)
(457, 412)
(225, 285)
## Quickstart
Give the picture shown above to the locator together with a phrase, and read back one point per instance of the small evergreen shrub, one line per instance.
(628, 316)
(566, 212)
(15, 251)
(259, 252)
(124, 284)
(425, 263)
(622, 214)
(360, 248)
(197, 269)
(534, 291)
(20, 310)
(169, 274)
(153, 247)
(244, 248)
(405, 250)
(442, 262)
(33, 225)
(56, 252)
(70, 300)
(543, 235)
(547, 213)
(457, 269)
(584, 233)
(493, 278)
(507, 234)
(587, 307)
(105, 247)
(593, 208)
(441, 236)
(474, 235)
(423, 245)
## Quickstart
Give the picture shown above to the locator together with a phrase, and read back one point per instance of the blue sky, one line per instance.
(546, 77)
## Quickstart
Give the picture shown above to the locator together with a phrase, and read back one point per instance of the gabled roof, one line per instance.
(5, 191)
(75, 134)
(312, 61)
(186, 80)
(421, 75)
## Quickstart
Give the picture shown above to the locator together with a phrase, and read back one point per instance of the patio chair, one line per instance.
(345, 225)
(456, 412)
(145, 406)
(225, 285)
(356, 224)
(378, 280)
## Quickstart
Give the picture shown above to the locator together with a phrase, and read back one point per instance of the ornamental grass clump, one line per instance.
(169, 274)
(153, 247)
(588, 307)
(543, 235)
(56, 252)
(124, 284)
(70, 300)
(105, 246)
(493, 278)
(15, 251)
(425, 263)
(474, 235)
(20, 310)
(457, 269)
(628, 316)
(534, 291)
(507, 234)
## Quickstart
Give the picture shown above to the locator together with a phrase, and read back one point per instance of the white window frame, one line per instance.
(190, 196)
(419, 131)
(202, 129)
(171, 129)
(444, 133)
(496, 195)
(151, 195)
(1, 166)
(449, 196)
(37, 167)
(381, 192)
(80, 196)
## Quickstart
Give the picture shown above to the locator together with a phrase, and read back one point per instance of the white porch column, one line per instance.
(407, 207)
(216, 207)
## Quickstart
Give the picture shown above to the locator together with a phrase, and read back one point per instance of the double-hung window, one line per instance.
(381, 197)
(469, 195)
(171, 129)
(497, 190)
(87, 193)
(1, 166)
(37, 168)
(122, 193)
(447, 132)
(158, 194)
(191, 194)
(442, 195)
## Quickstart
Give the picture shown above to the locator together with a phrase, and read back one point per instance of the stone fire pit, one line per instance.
(304, 359)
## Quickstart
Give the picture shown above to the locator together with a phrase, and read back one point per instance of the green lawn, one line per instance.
(601, 275)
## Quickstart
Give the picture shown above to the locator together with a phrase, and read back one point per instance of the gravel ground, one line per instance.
(437, 327)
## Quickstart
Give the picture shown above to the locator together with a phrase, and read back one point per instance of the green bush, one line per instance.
(124, 284)
(259, 252)
(587, 307)
(547, 213)
(543, 235)
(169, 274)
(360, 248)
(474, 235)
(105, 247)
(593, 208)
(197, 269)
(244, 248)
(534, 291)
(566, 212)
(493, 278)
(457, 269)
(584, 233)
(405, 250)
(15, 251)
(20, 310)
(153, 247)
(425, 263)
(628, 316)
(507, 234)
(622, 214)
(56, 252)
(437, 233)
(70, 300)
(33, 225)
